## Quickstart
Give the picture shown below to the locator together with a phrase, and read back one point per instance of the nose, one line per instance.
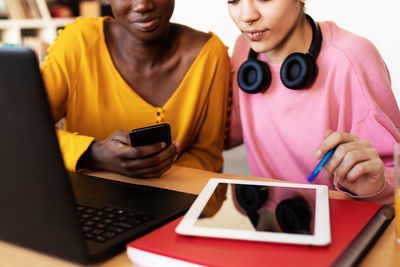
(248, 12)
(143, 6)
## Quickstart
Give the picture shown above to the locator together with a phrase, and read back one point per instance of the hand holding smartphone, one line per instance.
(151, 135)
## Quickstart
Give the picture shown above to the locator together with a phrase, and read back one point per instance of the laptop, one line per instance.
(42, 206)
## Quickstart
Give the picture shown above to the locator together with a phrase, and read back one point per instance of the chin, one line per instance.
(150, 36)
(259, 47)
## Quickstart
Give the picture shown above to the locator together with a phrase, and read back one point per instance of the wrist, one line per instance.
(87, 161)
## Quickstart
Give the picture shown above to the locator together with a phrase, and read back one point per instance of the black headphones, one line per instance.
(298, 71)
(251, 198)
(294, 215)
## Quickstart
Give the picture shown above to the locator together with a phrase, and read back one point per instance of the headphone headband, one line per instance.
(252, 54)
(316, 40)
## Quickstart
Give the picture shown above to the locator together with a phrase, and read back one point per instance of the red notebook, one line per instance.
(163, 246)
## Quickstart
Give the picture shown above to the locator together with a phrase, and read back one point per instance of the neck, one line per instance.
(147, 52)
(298, 40)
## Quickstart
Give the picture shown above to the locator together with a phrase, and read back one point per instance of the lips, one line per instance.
(254, 35)
(147, 24)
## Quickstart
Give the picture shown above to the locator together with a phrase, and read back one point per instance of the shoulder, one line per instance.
(84, 26)
(193, 33)
(345, 46)
(240, 51)
(356, 63)
(202, 50)
(190, 37)
(193, 41)
(81, 33)
(75, 40)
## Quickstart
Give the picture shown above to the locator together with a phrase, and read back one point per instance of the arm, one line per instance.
(58, 71)
(206, 149)
(363, 161)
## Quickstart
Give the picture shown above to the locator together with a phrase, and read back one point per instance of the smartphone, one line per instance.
(151, 135)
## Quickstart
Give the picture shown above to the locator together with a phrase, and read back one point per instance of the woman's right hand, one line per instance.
(115, 154)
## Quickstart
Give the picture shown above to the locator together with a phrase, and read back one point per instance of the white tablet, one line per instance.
(260, 211)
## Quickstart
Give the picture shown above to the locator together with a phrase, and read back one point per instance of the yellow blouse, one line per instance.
(84, 86)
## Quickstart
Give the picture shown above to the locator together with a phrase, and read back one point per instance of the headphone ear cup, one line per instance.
(298, 71)
(254, 76)
(294, 215)
(250, 197)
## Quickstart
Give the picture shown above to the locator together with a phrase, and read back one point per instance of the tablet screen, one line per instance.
(260, 208)
(260, 211)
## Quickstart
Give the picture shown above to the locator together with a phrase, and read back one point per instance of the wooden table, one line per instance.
(386, 251)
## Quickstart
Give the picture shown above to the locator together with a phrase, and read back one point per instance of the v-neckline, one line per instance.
(131, 90)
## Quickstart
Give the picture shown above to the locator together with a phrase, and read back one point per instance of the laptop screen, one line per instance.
(38, 207)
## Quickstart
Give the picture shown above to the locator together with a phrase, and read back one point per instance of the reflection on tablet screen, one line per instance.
(260, 208)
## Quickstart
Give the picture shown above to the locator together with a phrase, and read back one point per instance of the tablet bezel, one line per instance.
(322, 232)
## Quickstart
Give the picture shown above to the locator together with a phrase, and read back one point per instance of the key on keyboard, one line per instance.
(103, 224)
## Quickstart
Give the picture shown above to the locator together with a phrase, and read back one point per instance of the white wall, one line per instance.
(379, 21)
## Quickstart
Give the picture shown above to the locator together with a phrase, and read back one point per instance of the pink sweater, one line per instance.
(282, 128)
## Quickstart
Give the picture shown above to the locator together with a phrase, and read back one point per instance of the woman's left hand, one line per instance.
(355, 165)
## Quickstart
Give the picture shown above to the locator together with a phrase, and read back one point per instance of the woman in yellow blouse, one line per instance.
(108, 76)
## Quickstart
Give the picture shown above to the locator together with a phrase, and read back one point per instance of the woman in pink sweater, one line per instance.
(291, 109)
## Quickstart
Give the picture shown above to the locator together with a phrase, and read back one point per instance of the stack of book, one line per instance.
(27, 9)
(3, 11)
(355, 227)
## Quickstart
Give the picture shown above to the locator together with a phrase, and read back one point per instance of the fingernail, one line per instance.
(163, 145)
(326, 174)
(176, 157)
(318, 154)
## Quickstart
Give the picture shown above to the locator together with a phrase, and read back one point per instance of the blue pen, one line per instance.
(321, 164)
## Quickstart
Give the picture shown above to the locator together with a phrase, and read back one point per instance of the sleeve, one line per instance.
(206, 151)
(380, 124)
(59, 72)
(383, 134)
(72, 147)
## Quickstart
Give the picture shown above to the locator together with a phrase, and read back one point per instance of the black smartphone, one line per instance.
(151, 135)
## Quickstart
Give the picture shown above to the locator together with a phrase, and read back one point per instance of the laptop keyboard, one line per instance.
(103, 224)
